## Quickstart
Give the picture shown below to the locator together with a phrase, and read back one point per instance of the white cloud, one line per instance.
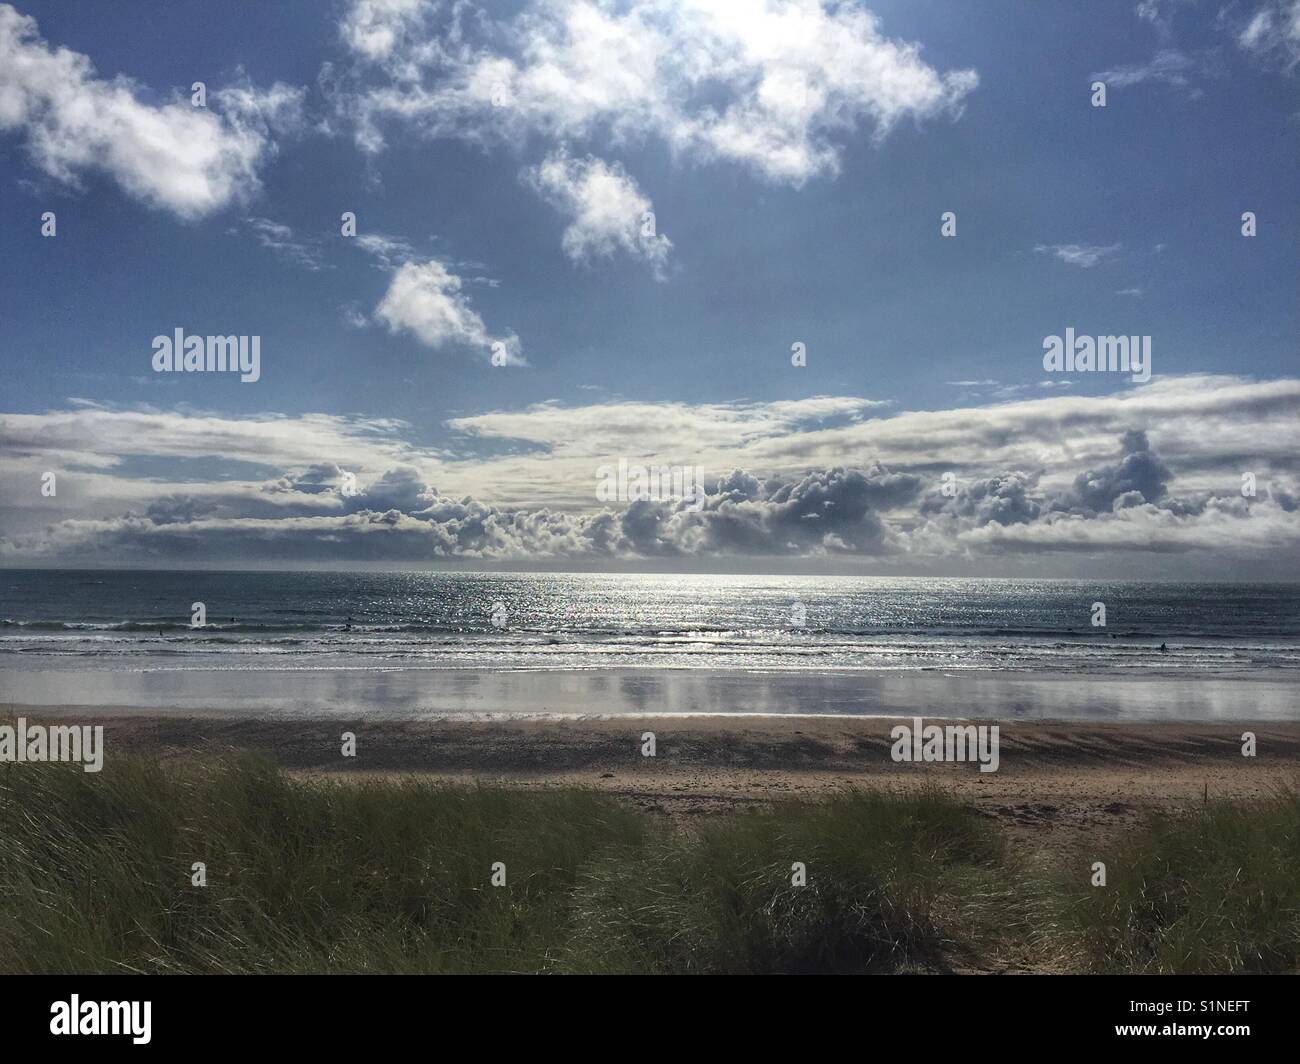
(389, 251)
(608, 212)
(278, 109)
(1274, 30)
(1084, 255)
(1147, 529)
(1168, 65)
(176, 157)
(352, 316)
(278, 238)
(1154, 472)
(773, 85)
(425, 300)
(657, 430)
(1195, 419)
(375, 28)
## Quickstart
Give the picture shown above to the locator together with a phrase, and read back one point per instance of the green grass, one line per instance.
(394, 876)
(95, 875)
(95, 871)
(893, 884)
(1215, 892)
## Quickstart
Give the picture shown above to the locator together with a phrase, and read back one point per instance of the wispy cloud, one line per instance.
(1084, 255)
(1273, 32)
(1169, 66)
(279, 238)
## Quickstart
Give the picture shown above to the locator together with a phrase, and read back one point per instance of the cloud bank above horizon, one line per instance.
(1157, 471)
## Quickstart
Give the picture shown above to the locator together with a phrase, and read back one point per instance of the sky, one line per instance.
(809, 252)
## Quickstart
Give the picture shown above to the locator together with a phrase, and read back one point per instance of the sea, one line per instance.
(460, 642)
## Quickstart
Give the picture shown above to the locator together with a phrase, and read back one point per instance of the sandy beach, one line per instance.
(1059, 786)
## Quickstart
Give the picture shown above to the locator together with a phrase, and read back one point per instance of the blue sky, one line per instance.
(797, 158)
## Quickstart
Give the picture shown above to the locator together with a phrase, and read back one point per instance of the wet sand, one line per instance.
(1146, 694)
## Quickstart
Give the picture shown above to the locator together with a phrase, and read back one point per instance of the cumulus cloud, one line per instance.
(1003, 498)
(316, 479)
(1138, 477)
(823, 512)
(402, 488)
(1154, 471)
(773, 86)
(1206, 427)
(834, 509)
(608, 214)
(400, 517)
(188, 160)
(426, 300)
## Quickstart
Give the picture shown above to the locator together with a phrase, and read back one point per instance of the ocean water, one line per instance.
(133, 621)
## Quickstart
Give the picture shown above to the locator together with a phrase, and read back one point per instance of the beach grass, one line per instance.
(890, 884)
(395, 874)
(1212, 892)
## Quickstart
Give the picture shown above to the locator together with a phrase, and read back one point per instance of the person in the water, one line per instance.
(1164, 649)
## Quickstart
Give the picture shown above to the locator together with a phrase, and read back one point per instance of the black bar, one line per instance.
(334, 1013)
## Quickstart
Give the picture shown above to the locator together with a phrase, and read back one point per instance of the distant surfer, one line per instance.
(1164, 649)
